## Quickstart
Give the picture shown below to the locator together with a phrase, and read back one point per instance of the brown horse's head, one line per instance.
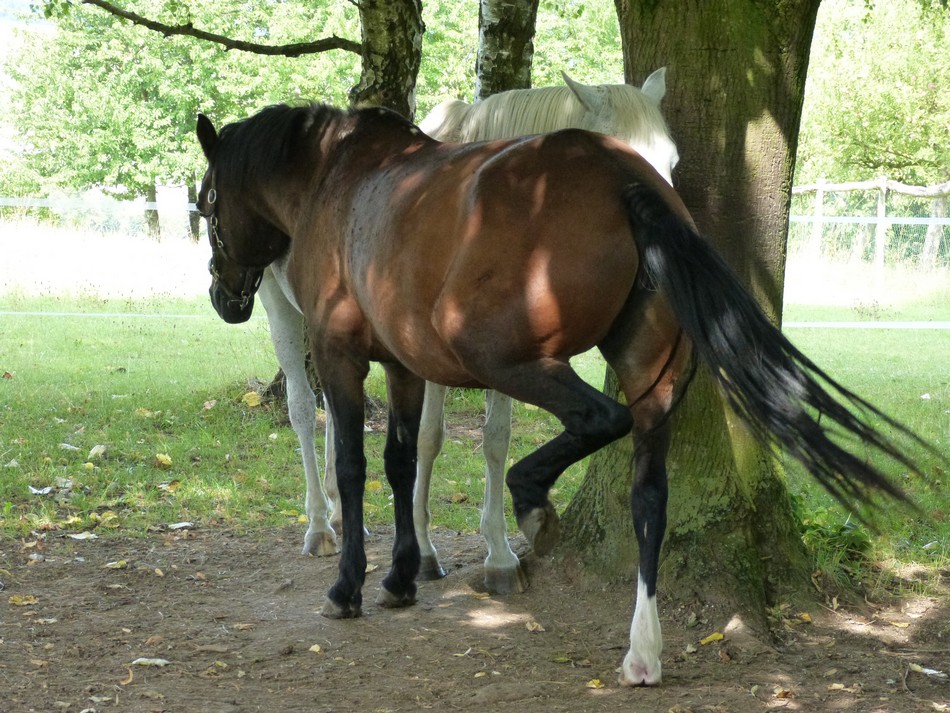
(243, 241)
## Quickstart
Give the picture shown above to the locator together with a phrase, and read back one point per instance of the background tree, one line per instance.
(735, 88)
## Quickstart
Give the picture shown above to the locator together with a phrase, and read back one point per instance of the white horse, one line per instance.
(631, 115)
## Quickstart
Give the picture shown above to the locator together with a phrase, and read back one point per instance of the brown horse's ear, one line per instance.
(207, 136)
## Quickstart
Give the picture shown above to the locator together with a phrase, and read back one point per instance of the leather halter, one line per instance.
(252, 276)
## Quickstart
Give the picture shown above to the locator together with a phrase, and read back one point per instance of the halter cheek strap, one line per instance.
(252, 276)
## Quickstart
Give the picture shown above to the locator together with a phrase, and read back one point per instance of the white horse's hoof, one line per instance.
(430, 569)
(506, 580)
(542, 529)
(636, 672)
(320, 544)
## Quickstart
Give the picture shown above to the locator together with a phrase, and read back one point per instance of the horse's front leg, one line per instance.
(641, 665)
(287, 334)
(342, 379)
(405, 392)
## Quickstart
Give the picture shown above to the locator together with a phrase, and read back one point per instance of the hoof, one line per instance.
(389, 600)
(506, 580)
(542, 528)
(332, 610)
(320, 544)
(430, 569)
(636, 672)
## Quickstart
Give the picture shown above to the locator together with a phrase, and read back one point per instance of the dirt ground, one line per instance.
(236, 618)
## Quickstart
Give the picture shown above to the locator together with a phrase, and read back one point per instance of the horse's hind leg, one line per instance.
(405, 393)
(503, 571)
(431, 436)
(590, 419)
(641, 665)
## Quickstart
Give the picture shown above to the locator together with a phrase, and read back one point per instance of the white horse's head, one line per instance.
(631, 115)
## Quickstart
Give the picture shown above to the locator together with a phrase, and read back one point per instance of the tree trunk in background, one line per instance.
(928, 257)
(194, 219)
(392, 51)
(152, 226)
(505, 46)
(392, 33)
(735, 87)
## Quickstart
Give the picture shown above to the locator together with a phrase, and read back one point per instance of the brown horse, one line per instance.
(491, 265)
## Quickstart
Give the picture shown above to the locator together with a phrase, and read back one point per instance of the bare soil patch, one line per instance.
(236, 616)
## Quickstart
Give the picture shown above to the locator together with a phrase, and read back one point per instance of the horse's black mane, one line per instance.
(268, 141)
(271, 141)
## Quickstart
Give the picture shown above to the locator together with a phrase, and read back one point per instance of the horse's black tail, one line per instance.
(778, 391)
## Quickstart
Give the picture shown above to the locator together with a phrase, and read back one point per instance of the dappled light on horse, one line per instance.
(621, 260)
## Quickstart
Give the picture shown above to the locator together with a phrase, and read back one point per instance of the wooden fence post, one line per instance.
(880, 233)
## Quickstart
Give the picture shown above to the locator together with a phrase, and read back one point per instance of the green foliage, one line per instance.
(876, 100)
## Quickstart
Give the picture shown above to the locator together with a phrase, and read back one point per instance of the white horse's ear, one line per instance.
(654, 86)
(589, 97)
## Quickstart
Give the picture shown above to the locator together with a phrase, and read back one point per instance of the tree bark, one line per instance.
(505, 46)
(392, 51)
(152, 226)
(928, 257)
(735, 90)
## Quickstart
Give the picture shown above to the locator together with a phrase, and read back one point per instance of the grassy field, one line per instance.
(137, 420)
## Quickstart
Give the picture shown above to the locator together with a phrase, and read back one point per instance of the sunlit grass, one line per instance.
(144, 386)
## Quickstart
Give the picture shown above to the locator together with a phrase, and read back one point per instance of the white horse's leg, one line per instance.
(431, 437)
(641, 665)
(503, 572)
(287, 333)
(329, 464)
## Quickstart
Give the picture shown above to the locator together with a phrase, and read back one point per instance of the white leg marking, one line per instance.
(641, 665)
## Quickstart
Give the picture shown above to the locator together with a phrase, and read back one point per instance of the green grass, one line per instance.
(150, 386)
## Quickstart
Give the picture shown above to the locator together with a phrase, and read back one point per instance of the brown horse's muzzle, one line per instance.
(232, 310)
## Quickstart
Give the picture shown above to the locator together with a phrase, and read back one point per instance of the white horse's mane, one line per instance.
(620, 110)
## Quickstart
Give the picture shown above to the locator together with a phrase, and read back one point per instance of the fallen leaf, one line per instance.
(128, 679)
(316, 649)
(252, 399)
(118, 564)
(805, 617)
(208, 405)
(533, 626)
(481, 674)
(97, 451)
(181, 526)
(371, 568)
(243, 627)
(23, 600)
(163, 460)
(154, 640)
(715, 636)
(595, 683)
(780, 692)
(900, 624)
(169, 486)
(7, 375)
(151, 662)
(83, 536)
(374, 486)
(158, 572)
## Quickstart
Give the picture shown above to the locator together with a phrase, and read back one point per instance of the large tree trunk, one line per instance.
(735, 89)
(505, 46)
(392, 51)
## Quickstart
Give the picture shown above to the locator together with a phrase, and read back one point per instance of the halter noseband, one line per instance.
(252, 277)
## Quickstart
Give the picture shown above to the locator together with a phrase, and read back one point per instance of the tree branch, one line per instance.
(292, 50)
